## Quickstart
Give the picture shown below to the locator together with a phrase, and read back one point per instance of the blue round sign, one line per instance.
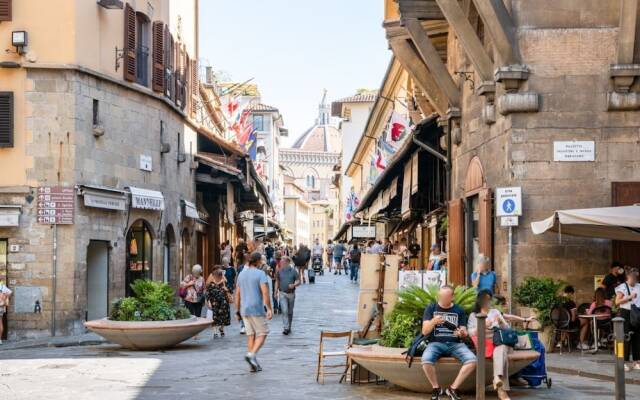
(509, 206)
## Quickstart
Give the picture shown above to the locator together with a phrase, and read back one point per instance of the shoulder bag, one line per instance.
(505, 336)
(418, 346)
(634, 314)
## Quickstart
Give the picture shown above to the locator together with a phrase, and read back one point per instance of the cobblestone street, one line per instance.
(204, 368)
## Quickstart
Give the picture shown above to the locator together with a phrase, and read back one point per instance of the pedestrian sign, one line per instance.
(508, 201)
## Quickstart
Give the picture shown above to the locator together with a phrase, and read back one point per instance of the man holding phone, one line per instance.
(445, 323)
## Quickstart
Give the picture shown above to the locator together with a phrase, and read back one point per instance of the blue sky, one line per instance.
(295, 48)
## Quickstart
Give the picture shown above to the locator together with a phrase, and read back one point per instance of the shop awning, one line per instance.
(617, 223)
(10, 215)
(146, 199)
(103, 197)
(190, 210)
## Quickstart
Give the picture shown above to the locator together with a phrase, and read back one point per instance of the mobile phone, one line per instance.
(450, 325)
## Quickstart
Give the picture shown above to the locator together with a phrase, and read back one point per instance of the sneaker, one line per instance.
(242, 331)
(259, 368)
(453, 394)
(583, 346)
(253, 363)
(636, 366)
(436, 393)
(285, 332)
(627, 368)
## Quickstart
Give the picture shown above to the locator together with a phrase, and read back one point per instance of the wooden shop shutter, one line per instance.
(6, 119)
(193, 84)
(485, 224)
(5, 10)
(456, 242)
(158, 57)
(129, 43)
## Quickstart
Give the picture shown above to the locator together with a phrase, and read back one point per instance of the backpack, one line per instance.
(416, 349)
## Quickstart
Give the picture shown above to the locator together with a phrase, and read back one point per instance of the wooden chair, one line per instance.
(340, 368)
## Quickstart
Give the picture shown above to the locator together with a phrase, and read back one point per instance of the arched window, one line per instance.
(139, 253)
(311, 181)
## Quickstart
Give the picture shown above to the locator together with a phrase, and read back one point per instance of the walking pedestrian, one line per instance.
(254, 308)
(354, 256)
(301, 260)
(338, 253)
(194, 285)
(329, 254)
(218, 299)
(627, 296)
(229, 274)
(287, 280)
(5, 295)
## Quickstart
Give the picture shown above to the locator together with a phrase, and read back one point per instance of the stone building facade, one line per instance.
(119, 146)
(514, 80)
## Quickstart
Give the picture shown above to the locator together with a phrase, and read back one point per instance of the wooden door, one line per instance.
(626, 194)
(456, 242)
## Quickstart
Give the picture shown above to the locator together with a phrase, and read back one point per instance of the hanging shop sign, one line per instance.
(574, 151)
(10, 215)
(509, 201)
(414, 173)
(146, 199)
(363, 231)
(109, 199)
(190, 210)
(55, 205)
(406, 191)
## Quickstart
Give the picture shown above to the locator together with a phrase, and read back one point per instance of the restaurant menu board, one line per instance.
(56, 205)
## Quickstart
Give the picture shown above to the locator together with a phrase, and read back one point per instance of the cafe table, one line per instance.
(594, 325)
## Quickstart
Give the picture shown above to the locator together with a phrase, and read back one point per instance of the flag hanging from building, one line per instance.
(397, 130)
(351, 205)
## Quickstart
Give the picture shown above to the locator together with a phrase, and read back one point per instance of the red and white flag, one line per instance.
(398, 129)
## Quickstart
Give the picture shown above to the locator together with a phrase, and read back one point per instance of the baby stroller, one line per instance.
(536, 372)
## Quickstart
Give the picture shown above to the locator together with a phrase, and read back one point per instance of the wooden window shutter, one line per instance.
(194, 84)
(6, 119)
(129, 43)
(455, 240)
(5, 10)
(158, 57)
(485, 223)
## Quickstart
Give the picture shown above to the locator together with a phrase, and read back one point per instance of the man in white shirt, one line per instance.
(627, 298)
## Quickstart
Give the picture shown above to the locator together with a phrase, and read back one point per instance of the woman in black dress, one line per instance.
(218, 299)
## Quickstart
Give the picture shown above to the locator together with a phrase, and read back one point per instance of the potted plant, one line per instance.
(148, 319)
(541, 295)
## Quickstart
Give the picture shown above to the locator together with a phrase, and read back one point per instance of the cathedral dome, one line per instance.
(322, 136)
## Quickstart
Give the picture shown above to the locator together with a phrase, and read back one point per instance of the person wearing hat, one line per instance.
(436, 257)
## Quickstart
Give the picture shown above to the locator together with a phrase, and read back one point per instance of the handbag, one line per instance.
(488, 346)
(182, 292)
(505, 336)
(634, 312)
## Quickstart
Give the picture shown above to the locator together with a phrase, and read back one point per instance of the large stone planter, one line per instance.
(390, 364)
(148, 335)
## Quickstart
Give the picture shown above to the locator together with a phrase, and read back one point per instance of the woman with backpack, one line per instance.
(628, 300)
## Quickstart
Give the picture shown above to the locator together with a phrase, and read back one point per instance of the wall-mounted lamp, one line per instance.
(19, 40)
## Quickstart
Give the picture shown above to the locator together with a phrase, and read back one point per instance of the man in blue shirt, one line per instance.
(444, 323)
(252, 299)
(484, 278)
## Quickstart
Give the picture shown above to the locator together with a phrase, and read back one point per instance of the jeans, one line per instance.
(436, 350)
(287, 301)
(354, 271)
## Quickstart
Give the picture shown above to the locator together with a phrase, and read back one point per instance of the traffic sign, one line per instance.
(55, 205)
(509, 201)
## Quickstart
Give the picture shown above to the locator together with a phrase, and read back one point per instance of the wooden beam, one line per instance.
(627, 32)
(468, 37)
(420, 9)
(432, 59)
(498, 22)
(410, 60)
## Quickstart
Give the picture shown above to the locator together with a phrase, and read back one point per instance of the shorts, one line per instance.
(437, 350)
(255, 325)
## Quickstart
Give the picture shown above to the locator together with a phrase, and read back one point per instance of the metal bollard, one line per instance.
(480, 353)
(618, 331)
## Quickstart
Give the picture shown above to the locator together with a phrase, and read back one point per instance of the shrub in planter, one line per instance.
(151, 301)
(540, 294)
(404, 321)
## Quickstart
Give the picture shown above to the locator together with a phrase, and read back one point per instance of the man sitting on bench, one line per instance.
(445, 323)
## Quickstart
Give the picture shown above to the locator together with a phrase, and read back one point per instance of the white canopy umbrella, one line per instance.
(617, 223)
